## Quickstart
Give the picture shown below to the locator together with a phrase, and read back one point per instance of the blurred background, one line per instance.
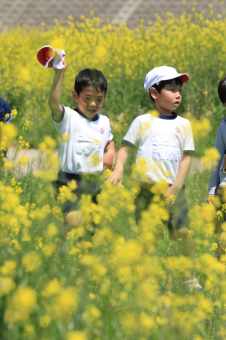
(34, 12)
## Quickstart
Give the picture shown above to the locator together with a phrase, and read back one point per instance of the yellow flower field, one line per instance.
(108, 278)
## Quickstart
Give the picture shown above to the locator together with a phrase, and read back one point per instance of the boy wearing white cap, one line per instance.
(165, 144)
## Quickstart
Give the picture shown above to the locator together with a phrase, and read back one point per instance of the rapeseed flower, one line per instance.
(76, 335)
(77, 278)
(31, 261)
(21, 305)
(63, 304)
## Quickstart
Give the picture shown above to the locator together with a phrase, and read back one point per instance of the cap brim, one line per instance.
(184, 77)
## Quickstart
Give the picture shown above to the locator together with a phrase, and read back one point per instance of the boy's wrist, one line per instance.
(118, 170)
(176, 187)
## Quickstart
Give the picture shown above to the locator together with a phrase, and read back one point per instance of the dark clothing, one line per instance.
(4, 109)
(178, 216)
(86, 184)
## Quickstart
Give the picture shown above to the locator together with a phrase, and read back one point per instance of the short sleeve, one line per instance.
(132, 136)
(189, 141)
(62, 125)
(110, 135)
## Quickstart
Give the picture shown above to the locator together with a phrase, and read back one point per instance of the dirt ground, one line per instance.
(35, 156)
(35, 163)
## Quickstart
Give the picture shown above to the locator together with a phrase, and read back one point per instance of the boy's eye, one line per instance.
(174, 89)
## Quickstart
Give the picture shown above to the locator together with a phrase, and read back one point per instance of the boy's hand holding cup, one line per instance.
(51, 57)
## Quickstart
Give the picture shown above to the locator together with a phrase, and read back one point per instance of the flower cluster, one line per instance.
(108, 278)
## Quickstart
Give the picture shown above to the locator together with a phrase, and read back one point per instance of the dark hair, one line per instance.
(222, 90)
(90, 77)
(163, 83)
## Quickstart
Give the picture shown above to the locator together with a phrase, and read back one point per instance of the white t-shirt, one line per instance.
(162, 142)
(84, 150)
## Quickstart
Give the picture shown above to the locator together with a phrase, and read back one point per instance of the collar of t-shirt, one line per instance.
(92, 119)
(174, 116)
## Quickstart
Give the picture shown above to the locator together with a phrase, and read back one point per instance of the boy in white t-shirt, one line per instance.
(165, 144)
(90, 148)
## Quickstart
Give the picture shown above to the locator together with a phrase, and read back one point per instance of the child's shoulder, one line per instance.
(143, 117)
(183, 121)
(222, 126)
(103, 117)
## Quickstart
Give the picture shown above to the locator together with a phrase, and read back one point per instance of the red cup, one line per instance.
(44, 54)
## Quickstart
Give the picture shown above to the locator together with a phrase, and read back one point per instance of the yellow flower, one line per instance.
(210, 158)
(129, 323)
(49, 249)
(51, 230)
(214, 247)
(29, 330)
(21, 304)
(8, 268)
(31, 261)
(8, 165)
(8, 134)
(50, 142)
(53, 287)
(6, 285)
(92, 313)
(23, 160)
(76, 335)
(95, 159)
(64, 304)
(44, 321)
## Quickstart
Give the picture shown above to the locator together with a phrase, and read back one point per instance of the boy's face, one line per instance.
(168, 99)
(89, 101)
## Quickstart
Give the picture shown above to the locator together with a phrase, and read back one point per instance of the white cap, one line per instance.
(158, 74)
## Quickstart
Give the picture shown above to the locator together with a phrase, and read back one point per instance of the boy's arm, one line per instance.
(109, 155)
(181, 177)
(117, 174)
(55, 92)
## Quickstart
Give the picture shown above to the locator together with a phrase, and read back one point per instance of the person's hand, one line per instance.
(116, 177)
(62, 69)
(210, 200)
(171, 194)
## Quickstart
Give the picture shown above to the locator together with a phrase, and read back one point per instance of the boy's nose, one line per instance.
(93, 103)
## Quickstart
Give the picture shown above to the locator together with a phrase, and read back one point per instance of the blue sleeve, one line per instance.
(4, 109)
(214, 176)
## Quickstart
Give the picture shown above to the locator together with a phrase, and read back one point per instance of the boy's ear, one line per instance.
(74, 95)
(153, 93)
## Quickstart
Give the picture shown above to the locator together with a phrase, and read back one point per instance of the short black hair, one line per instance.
(163, 83)
(90, 77)
(222, 90)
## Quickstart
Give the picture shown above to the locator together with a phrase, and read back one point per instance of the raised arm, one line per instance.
(55, 92)
(117, 174)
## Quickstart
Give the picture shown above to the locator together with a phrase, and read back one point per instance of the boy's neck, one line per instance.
(163, 112)
(170, 114)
